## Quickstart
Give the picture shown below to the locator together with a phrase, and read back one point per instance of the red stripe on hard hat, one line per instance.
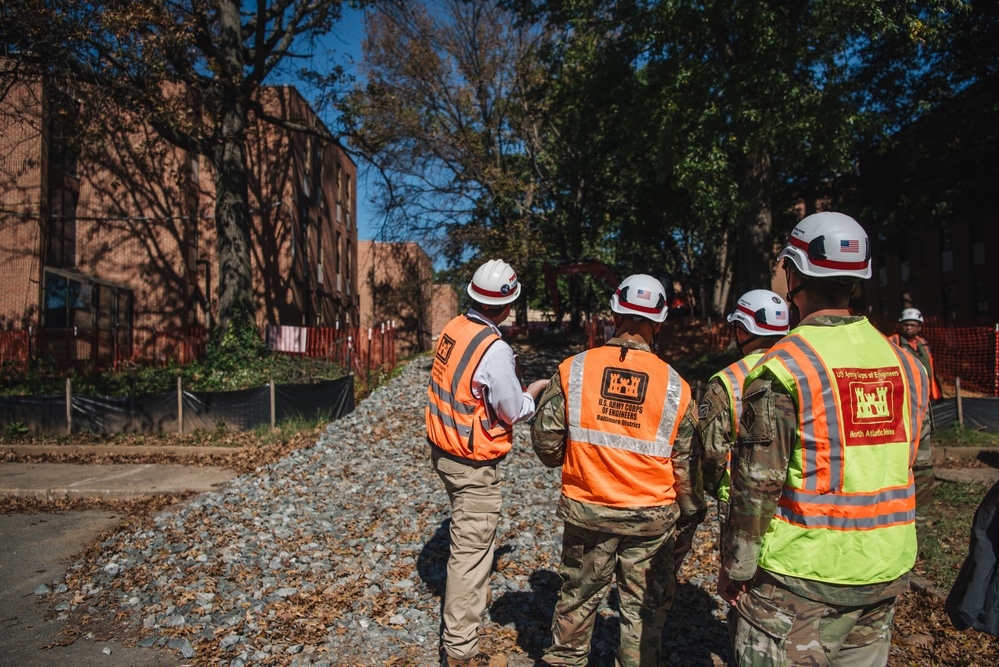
(827, 263)
(762, 325)
(635, 306)
(498, 295)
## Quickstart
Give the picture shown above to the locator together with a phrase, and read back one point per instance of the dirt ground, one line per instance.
(923, 633)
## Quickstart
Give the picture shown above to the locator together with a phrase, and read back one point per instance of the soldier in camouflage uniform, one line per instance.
(759, 320)
(821, 535)
(622, 425)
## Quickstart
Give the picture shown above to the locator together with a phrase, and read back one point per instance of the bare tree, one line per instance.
(191, 70)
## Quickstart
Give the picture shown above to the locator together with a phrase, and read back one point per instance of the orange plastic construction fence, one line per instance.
(969, 353)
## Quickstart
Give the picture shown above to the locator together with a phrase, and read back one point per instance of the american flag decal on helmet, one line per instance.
(853, 245)
(643, 294)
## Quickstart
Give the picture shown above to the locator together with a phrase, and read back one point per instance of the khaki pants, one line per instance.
(475, 504)
(777, 628)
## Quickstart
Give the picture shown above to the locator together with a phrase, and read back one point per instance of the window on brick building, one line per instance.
(60, 247)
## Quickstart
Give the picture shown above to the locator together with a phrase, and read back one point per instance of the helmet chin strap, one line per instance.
(744, 343)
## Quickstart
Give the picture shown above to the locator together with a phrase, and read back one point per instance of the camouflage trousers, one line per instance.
(646, 585)
(777, 628)
(923, 475)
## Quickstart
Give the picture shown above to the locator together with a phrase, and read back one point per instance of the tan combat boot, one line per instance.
(477, 660)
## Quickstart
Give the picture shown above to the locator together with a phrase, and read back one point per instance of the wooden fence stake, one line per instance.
(69, 406)
(273, 410)
(180, 407)
(960, 408)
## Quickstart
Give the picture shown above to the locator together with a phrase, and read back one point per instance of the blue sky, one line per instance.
(344, 46)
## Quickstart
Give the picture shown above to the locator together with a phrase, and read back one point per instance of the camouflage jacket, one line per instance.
(549, 435)
(715, 428)
(759, 466)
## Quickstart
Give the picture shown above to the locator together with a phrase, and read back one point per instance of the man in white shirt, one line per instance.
(473, 400)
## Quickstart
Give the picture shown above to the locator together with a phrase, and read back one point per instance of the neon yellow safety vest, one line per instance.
(732, 378)
(846, 514)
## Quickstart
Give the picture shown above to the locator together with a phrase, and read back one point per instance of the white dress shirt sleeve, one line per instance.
(496, 377)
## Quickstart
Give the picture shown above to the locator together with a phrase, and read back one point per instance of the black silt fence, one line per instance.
(181, 411)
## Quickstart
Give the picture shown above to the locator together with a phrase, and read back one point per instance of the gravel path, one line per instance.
(336, 555)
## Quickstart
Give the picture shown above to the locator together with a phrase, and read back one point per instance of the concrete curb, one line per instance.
(177, 451)
(963, 453)
(116, 481)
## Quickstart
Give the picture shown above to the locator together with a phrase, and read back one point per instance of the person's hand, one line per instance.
(729, 590)
(537, 387)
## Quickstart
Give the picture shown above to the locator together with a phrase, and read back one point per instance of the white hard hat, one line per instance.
(911, 315)
(829, 245)
(762, 313)
(640, 295)
(494, 283)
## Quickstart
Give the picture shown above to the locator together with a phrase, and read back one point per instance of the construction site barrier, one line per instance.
(15, 350)
(361, 349)
(969, 353)
(689, 336)
(181, 411)
(68, 350)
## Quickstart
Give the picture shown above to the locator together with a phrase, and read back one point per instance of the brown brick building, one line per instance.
(929, 202)
(397, 285)
(108, 250)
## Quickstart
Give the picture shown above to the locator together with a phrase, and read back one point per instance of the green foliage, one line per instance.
(16, 429)
(956, 436)
(949, 519)
(220, 372)
(700, 369)
(289, 426)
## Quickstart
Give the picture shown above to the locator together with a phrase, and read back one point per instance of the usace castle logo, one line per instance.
(872, 401)
(620, 384)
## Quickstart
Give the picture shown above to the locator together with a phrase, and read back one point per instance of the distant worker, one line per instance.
(910, 324)
(473, 401)
(622, 424)
(760, 319)
(821, 532)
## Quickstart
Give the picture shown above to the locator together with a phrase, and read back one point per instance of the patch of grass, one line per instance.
(949, 519)
(290, 426)
(956, 436)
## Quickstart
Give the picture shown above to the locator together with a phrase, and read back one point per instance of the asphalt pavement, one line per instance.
(37, 549)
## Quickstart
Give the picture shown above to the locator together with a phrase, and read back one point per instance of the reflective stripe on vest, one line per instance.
(819, 419)
(849, 488)
(662, 446)
(921, 352)
(457, 422)
(733, 378)
(622, 417)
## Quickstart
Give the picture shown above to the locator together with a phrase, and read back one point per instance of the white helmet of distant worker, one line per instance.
(829, 245)
(762, 312)
(640, 295)
(494, 283)
(911, 315)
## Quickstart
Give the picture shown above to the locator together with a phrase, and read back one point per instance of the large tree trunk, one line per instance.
(752, 263)
(721, 299)
(232, 215)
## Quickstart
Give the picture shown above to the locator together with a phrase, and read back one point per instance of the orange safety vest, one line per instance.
(920, 348)
(849, 489)
(623, 410)
(460, 425)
